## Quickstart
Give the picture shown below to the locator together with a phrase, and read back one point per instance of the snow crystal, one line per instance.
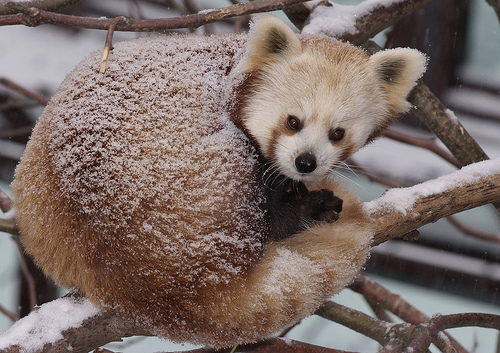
(452, 116)
(336, 20)
(287, 340)
(403, 199)
(47, 323)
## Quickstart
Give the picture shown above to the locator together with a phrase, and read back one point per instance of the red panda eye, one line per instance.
(337, 134)
(293, 123)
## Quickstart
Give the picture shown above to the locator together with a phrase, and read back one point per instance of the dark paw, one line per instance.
(325, 206)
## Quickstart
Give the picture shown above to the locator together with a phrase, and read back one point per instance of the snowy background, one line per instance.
(39, 58)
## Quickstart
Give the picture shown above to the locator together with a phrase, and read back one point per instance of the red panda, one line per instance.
(141, 186)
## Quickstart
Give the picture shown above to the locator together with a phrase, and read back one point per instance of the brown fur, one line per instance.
(137, 190)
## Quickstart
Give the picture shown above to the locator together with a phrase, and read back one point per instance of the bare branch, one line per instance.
(284, 345)
(35, 17)
(5, 202)
(355, 320)
(450, 131)
(473, 232)
(109, 44)
(8, 225)
(496, 6)
(6, 7)
(399, 307)
(423, 335)
(428, 144)
(8, 313)
(30, 281)
(24, 91)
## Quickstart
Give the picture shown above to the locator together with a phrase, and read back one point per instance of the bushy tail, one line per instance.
(291, 280)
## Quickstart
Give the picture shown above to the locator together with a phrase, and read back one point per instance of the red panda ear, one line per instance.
(269, 39)
(398, 71)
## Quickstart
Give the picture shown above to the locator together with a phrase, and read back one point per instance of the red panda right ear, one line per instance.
(270, 39)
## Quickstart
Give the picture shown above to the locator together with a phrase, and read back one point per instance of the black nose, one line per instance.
(305, 162)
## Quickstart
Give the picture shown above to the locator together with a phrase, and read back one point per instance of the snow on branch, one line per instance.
(74, 322)
(400, 211)
(71, 323)
(358, 23)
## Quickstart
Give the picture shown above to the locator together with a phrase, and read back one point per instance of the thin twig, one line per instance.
(20, 131)
(473, 232)
(428, 144)
(24, 91)
(30, 281)
(109, 43)
(5, 202)
(8, 313)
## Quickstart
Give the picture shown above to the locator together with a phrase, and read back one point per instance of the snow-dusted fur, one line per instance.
(137, 188)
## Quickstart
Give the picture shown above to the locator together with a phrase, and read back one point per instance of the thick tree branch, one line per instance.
(359, 22)
(447, 128)
(400, 211)
(8, 223)
(355, 320)
(84, 328)
(496, 6)
(35, 17)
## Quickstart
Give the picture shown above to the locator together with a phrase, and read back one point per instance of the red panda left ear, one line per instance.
(398, 71)
(270, 39)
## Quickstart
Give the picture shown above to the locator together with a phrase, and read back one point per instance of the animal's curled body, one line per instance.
(137, 189)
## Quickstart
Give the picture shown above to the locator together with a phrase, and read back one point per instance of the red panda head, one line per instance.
(309, 102)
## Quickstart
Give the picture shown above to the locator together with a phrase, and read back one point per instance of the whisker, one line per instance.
(344, 166)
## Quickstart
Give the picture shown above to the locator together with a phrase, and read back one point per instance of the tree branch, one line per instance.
(8, 225)
(7, 7)
(400, 211)
(447, 128)
(24, 91)
(35, 17)
(355, 320)
(359, 22)
(428, 144)
(399, 307)
(82, 328)
(426, 333)
(496, 6)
